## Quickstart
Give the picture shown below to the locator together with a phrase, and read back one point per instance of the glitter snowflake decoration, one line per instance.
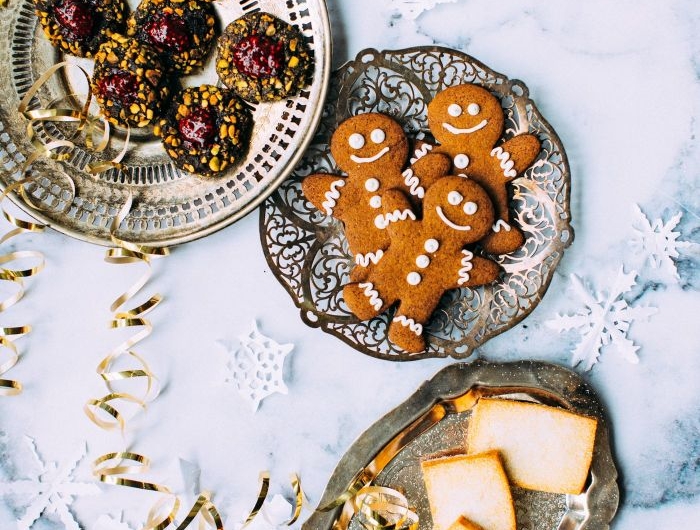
(51, 490)
(658, 241)
(604, 322)
(257, 368)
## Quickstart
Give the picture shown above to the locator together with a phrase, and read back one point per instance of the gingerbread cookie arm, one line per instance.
(397, 216)
(324, 191)
(365, 300)
(471, 271)
(517, 154)
(427, 170)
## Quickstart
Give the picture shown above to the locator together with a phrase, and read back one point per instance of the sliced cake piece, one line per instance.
(543, 448)
(462, 523)
(475, 487)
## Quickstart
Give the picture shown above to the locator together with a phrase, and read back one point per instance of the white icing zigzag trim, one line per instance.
(363, 260)
(421, 152)
(501, 224)
(382, 221)
(409, 323)
(413, 183)
(467, 265)
(373, 296)
(506, 163)
(332, 196)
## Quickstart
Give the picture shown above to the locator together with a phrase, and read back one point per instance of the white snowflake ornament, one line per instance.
(604, 321)
(257, 368)
(658, 241)
(51, 491)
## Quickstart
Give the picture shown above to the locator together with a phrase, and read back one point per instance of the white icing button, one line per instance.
(431, 245)
(422, 261)
(375, 201)
(461, 161)
(356, 141)
(473, 109)
(454, 198)
(371, 185)
(454, 110)
(470, 208)
(413, 278)
(377, 136)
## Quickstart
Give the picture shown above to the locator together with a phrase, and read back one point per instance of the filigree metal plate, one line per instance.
(307, 250)
(171, 206)
(415, 426)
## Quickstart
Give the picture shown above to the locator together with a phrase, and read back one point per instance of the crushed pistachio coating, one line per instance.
(230, 137)
(294, 74)
(197, 16)
(144, 106)
(108, 17)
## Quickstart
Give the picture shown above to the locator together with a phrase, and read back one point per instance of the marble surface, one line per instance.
(619, 81)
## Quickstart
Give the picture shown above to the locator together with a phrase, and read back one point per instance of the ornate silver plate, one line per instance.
(171, 206)
(435, 420)
(307, 250)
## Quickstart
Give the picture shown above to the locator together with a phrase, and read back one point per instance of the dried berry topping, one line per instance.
(119, 86)
(168, 33)
(75, 17)
(259, 56)
(198, 128)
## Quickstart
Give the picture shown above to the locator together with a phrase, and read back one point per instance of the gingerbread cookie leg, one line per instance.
(406, 328)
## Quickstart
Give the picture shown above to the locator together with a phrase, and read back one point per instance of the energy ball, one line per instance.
(206, 130)
(262, 58)
(182, 32)
(78, 27)
(129, 82)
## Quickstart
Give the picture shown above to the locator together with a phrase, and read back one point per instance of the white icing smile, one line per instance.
(449, 223)
(374, 158)
(454, 130)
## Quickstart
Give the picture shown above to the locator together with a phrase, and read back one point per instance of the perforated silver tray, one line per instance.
(171, 206)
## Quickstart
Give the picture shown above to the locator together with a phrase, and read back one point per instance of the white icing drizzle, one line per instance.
(373, 296)
(507, 164)
(382, 221)
(467, 265)
(413, 278)
(332, 195)
(501, 224)
(367, 160)
(413, 183)
(421, 152)
(409, 323)
(363, 260)
(453, 225)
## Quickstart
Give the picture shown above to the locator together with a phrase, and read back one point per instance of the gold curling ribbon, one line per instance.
(380, 508)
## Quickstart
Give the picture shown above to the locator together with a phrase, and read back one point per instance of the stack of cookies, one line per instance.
(418, 227)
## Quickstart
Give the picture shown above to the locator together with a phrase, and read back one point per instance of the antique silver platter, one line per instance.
(171, 206)
(307, 250)
(435, 420)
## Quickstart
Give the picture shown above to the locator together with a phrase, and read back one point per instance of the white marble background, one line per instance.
(618, 80)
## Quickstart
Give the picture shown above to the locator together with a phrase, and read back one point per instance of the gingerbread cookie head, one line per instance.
(459, 209)
(369, 144)
(467, 117)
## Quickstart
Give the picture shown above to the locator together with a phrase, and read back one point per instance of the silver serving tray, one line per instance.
(435, 420)
(307, 250)
(171, 206)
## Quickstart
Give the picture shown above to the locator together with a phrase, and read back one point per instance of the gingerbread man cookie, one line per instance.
(468, 122)
(372, 150)
(426, 257)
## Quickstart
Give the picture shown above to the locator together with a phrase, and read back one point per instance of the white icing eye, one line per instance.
(413, 278)
(371, 185)
(461, 161)
(431, 245)
(454, 198)
(454, 110)
(422, 261)
(470, 208)
(377, 136)
(473, 109)
(375, 201)
(356, 141)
